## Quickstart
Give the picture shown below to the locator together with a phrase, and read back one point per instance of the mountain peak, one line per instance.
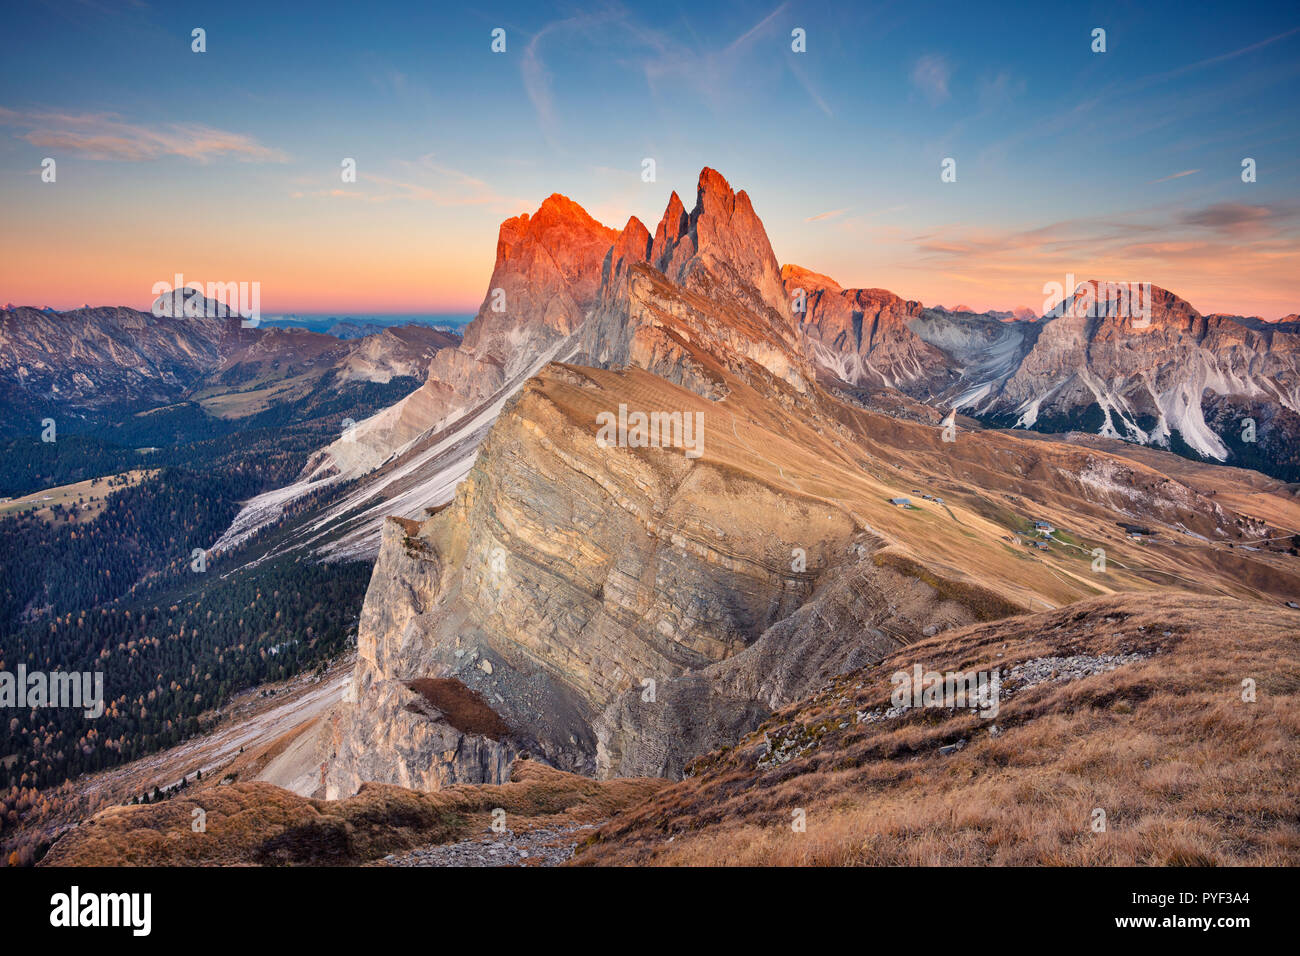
(713, 185)
(1142, 303)
(721, 244)
(633, 242)
(557, 206)
(547, 274)
(187, 302)
(672, 227)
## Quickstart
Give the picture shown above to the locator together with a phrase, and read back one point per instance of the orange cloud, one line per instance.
(1227, 257)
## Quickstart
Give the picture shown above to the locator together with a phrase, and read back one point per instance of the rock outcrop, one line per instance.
(623, 608)
(702, 296)
(411, 454)
(547, 272)
(544, 283)
(863, 336)
(1148, 369)
(562, 575)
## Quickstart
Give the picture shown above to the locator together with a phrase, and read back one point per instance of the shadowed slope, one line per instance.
(1125, 705)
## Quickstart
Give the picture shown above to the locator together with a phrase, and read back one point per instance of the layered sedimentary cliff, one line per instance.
(563, 574)
(622, 609)
(625, 607)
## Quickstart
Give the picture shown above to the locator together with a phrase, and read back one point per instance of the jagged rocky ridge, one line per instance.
(563, 577)
(1173, 378)
(703, 295)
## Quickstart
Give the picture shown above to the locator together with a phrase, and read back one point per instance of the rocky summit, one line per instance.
(626, 609)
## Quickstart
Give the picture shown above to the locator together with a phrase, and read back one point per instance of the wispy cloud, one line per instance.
(758, 29)
(1221, 58)
(930, 75)
(716, 75)
(712, 71)
(422, 180)
(1185, 172)
(537, 81)
(999, 91)
(106, 136)
(1233, 252)
(808, 87)
(826, 215)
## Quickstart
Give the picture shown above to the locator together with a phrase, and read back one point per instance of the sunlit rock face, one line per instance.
(547, 274)
(624, 609)
(621, 608)
(864, 336)
(702, 296)
(544, 282)
(1145, 366)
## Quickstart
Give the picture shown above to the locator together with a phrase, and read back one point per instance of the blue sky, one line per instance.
(225, 165)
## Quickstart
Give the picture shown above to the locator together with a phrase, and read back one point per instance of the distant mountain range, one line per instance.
(113, 360)
(1174, 379)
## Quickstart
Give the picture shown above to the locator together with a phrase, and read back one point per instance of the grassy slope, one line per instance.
(259, 823)
(994, 484)
(41, 502)
(1186, 772)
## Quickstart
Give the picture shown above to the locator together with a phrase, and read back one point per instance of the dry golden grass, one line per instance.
(257, 823)
(455, 703)
(1186, 772)
(984, 604)
(851, 462)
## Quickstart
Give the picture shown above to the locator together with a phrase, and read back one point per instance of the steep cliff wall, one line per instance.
(622, 609)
